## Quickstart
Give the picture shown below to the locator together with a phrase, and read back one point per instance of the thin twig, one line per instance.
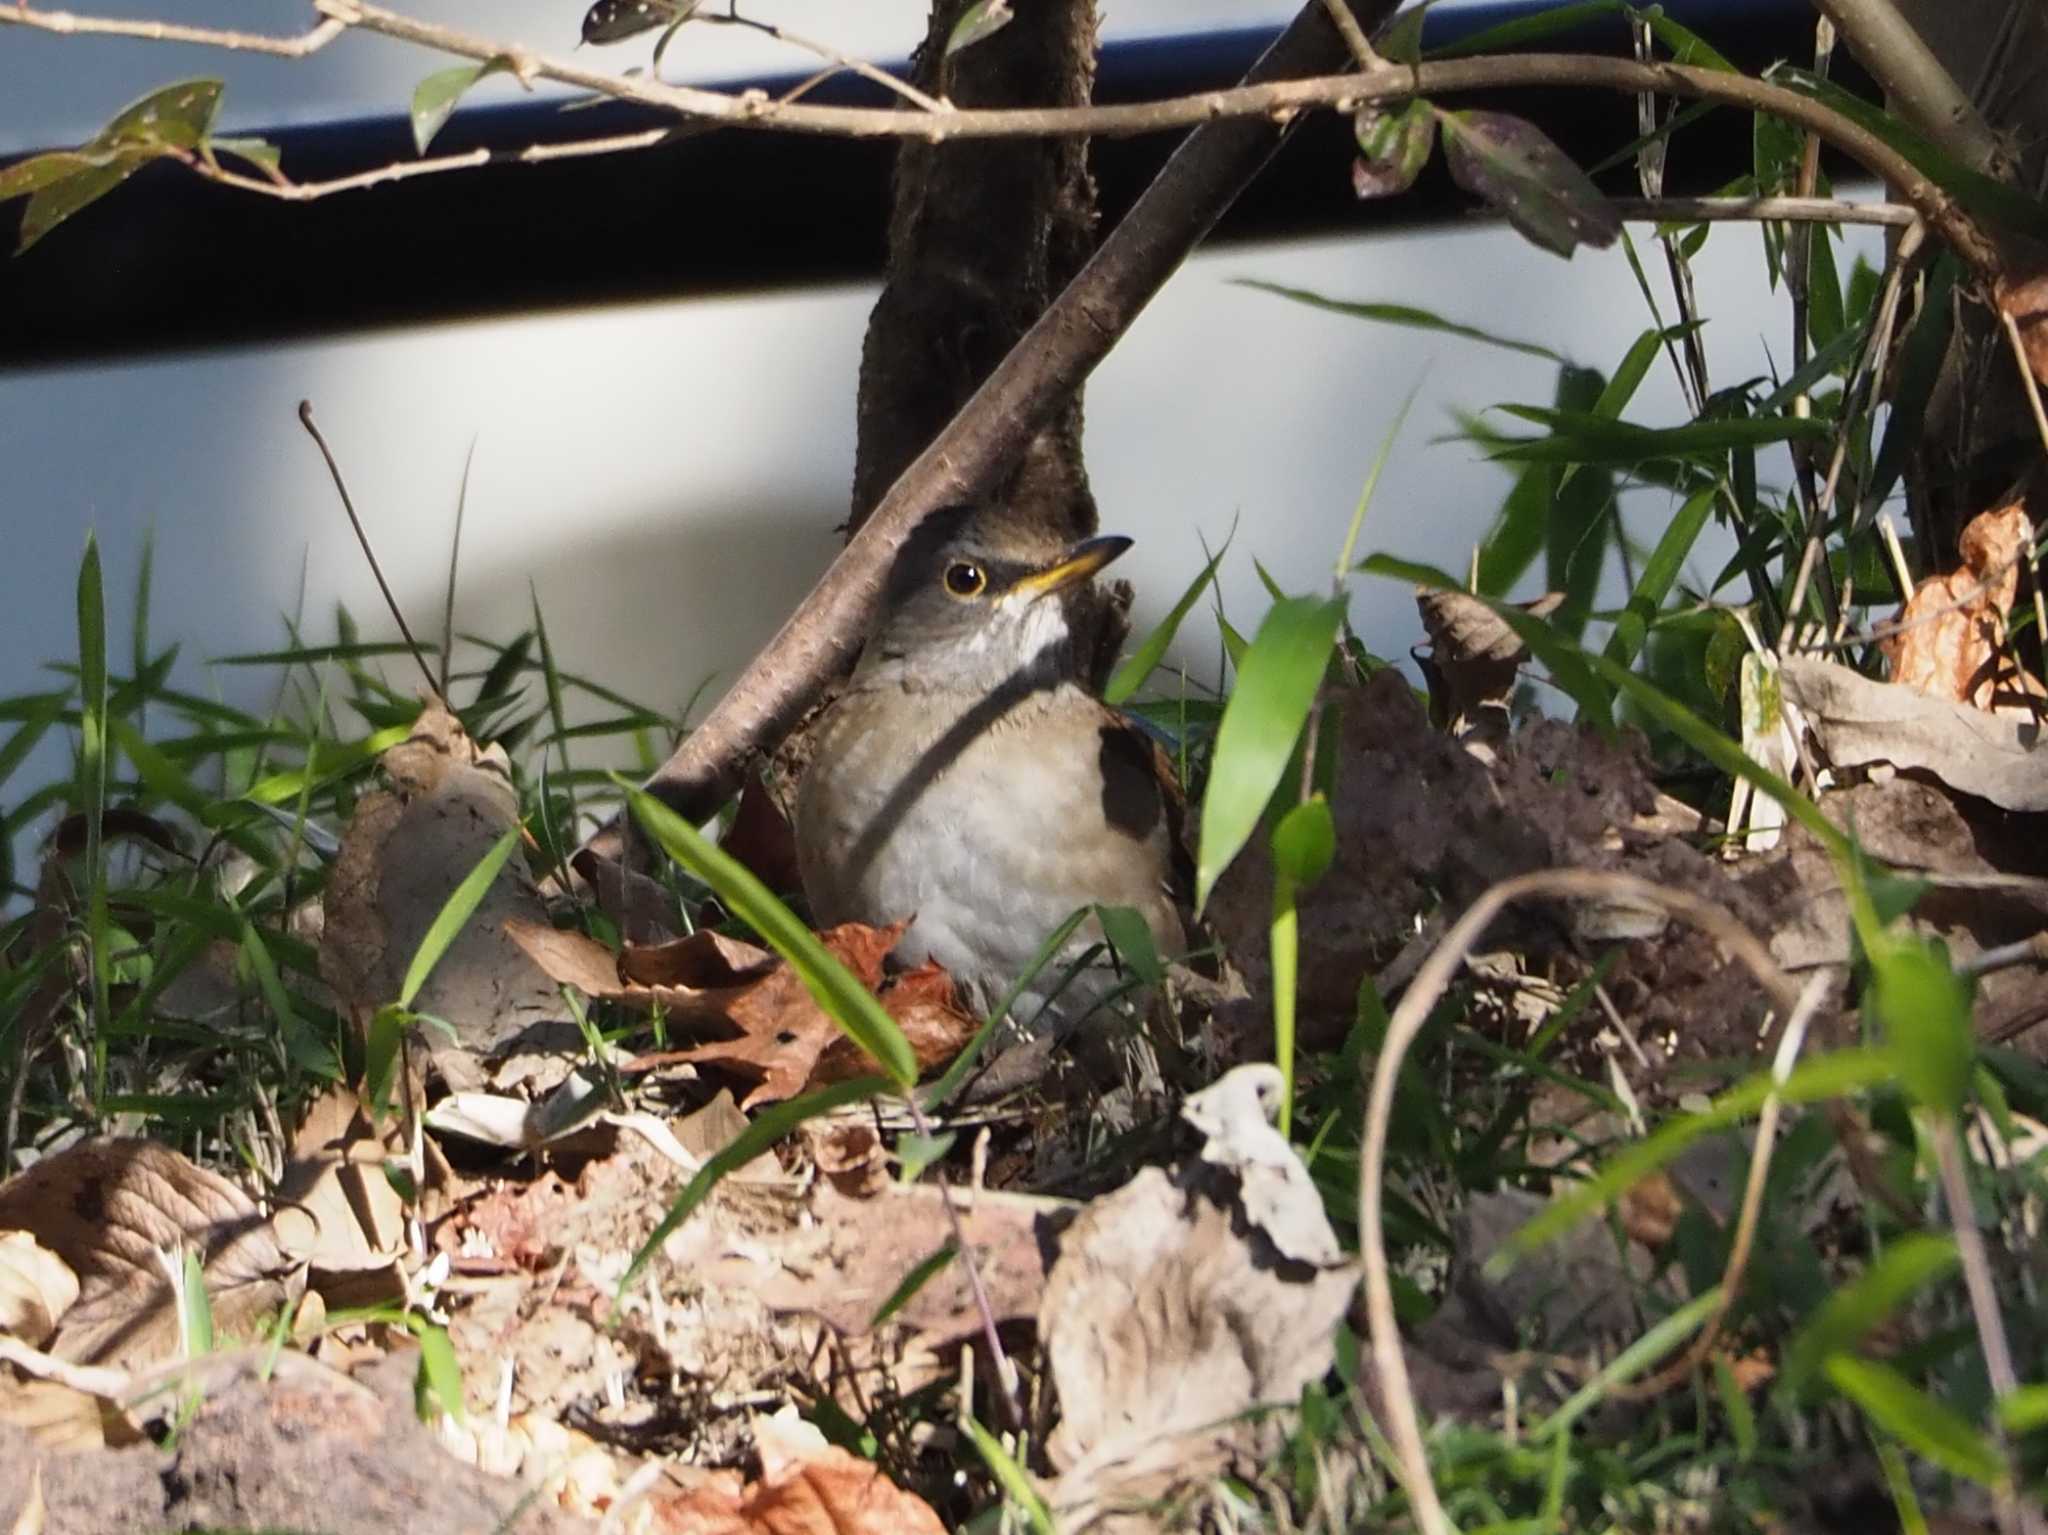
(173, 32)
(1403, 1028)
(1760, 210)
(406, 170)
(1353, 34)
(1789, 1044)
(832, 56)
(363, 538)
(2013, 1514)
(1279, 100)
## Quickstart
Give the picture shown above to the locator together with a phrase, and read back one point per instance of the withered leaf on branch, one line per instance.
(1950, 639)
(1510, 163)
(1393, 148)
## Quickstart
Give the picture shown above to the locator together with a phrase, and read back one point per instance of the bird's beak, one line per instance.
(1074, 567)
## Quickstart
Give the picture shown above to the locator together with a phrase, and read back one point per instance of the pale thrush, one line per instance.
(969, 780)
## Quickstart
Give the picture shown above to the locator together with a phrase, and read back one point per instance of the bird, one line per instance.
(969, 780)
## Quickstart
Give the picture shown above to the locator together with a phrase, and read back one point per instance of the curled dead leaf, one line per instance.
(108, 1208)
(36, 1288)
(1950, 637)
(1650, 1209)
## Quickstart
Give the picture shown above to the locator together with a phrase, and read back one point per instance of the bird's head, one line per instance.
(972, 603)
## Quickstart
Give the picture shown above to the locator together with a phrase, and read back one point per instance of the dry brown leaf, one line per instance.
(62, 1417)
(1952, 640)
(107, 1208)
(926, 1007)
(403, 854)
(335, 1208)
(808, 1487)
(1859, 721)
(1474, 655)
(2026, 300)
(36, 1288)
(693, 979)
(33, 1511)
(1169, 1315)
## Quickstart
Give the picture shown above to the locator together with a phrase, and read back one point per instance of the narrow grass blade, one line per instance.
(838, 991)
(1141, 662)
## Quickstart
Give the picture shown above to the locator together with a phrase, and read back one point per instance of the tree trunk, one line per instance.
(1980, 442)
(982, 236)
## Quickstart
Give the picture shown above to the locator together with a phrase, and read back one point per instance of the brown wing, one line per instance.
(1139, 790)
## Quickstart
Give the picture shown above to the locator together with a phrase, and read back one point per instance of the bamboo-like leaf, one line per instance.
(1907, 1265)
(1277, 681)
(838, 991)
(1400, 314)
(455, 913)
(1145, 659)
(1583, 438)
(1929, 1427)
(979, 22)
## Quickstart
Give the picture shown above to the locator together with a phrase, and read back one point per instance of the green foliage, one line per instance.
(435, 98)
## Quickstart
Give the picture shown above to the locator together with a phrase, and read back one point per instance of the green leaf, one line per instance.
(1524, 30)
(381, 1045)
(1145, 659)
(1826, 1076)
(1512, 165)
(1659, 575)
(1581, 438)
(439, 1382)
(1985, 196)
(1400, 314)
(1631, 1361)
(914, 1281)
(58, 201)
(455, 913)
(1305, 841)
(1686, 45)
(1393, 147)
(1929, 1427)
(92, 769)
(1131, 936)
(914, 1153)
(837, 990)
(258, 152)
(195, 1310)
(980, 21)
(1400, 40)
(175, 116)
(1907, 1265)
(770, 1126)
(1011, 1477)
(2024, 1411)
(1735, 1407)
(1923, 1006)
(434, 99)
(1277, 683)
(39, 171)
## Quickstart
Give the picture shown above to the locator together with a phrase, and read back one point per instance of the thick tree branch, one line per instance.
(1921, 90)
(1197, 185)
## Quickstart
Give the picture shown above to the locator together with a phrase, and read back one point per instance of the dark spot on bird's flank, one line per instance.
(1130, 794)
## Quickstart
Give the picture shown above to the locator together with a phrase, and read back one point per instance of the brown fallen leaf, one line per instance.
(107, 1208)
(335, 1208)
(404, 852)
(1174, 1309)
(1650, 1209)
(36, 1288)
(1951, 634)
(1858, 721)
(1474, 656)
(926, 1007)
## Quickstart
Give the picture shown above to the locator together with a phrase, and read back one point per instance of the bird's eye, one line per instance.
(965, 579)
